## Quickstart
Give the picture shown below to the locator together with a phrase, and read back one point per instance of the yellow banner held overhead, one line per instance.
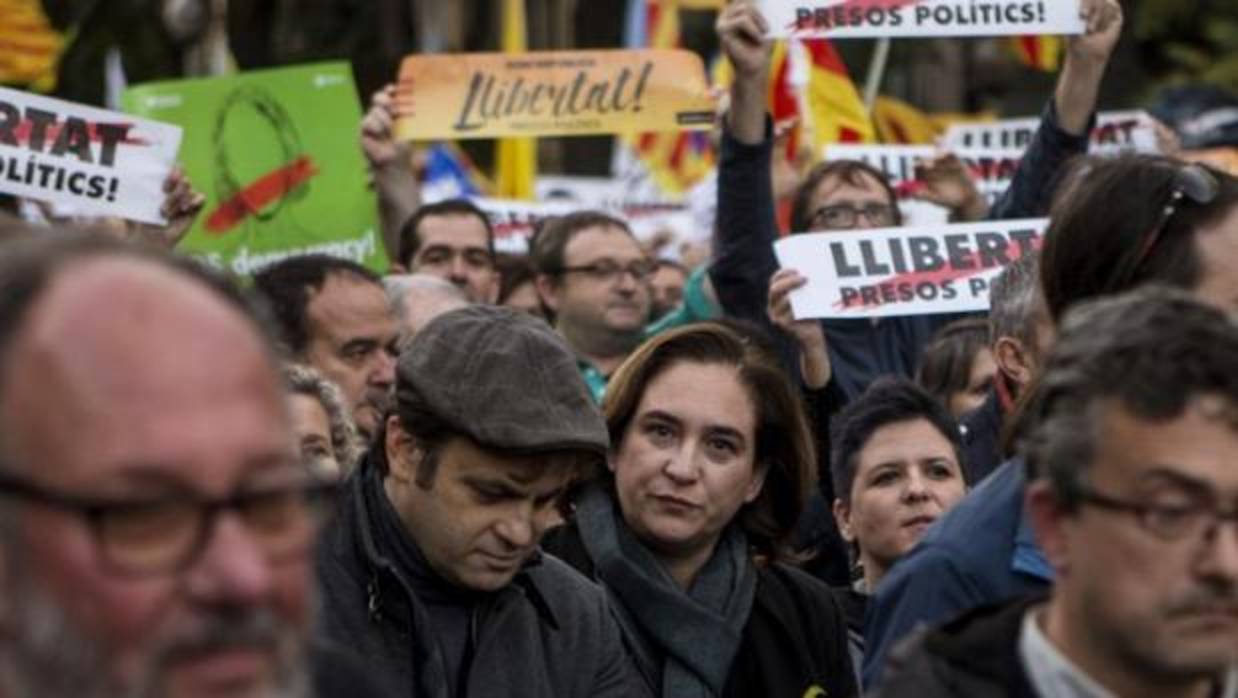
(551, 93)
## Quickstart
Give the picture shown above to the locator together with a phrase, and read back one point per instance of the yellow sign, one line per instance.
(551, 93)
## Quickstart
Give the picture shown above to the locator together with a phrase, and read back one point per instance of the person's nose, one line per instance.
(518, 528)
(1219, 561)
(917, 487)
(382, 372)
(681, 466)
(233, 569)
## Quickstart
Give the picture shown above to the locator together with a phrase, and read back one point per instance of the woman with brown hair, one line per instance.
(711, 461)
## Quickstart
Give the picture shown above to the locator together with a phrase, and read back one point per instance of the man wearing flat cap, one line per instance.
(432, 570)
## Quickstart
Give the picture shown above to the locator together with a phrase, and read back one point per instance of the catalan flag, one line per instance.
(29, 47)
(676, 161)
(516, 158)
(1043, 53)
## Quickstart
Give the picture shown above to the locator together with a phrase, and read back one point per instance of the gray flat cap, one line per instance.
(504, 379)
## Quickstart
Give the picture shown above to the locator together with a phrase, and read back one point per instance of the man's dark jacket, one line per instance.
(795, 638)
(549, 633)
(976, 654)
(981, 552)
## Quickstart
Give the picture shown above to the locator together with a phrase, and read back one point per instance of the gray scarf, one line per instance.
(693, 636)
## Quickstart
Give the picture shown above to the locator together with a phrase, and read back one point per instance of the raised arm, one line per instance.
(1068, 118)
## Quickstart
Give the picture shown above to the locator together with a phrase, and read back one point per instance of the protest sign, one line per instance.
(551, 93)
(1116, 132)
(992, 169)
(903, 271)
(273, 154)
(514, 221)
(850, 19)
(90, 161)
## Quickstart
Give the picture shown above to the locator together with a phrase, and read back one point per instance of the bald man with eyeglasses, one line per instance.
(156, 522)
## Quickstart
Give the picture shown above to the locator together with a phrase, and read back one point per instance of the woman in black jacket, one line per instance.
(711, 462)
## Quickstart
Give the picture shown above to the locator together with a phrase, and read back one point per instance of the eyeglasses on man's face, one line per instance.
(163, 535)
(1189, 521)
(608, 271)
(843, 216)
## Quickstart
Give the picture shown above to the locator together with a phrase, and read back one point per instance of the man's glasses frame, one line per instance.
(292, 513)
(608, 271)
(847, 215)
(1168, 523)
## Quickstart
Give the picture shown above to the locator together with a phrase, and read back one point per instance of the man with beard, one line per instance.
(155, 518)
(333, 315)
(1131, 430)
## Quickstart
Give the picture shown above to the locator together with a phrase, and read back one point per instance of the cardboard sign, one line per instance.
(267, 148)
(992, 169)
(551, 93)
(88, 160)
(849, 19)
(903, 271)
(1116, 132)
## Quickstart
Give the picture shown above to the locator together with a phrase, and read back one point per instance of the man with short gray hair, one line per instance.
(416, 299)
(1129, 444)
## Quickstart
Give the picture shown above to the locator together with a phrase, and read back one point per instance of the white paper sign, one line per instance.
(992, 169)
(903, 271)
(89, 160)
(840, 19)
(1116, 132)
(514, 221)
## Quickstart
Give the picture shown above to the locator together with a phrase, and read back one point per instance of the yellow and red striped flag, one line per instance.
(1043, 53)
(515, 160)
(29, 47)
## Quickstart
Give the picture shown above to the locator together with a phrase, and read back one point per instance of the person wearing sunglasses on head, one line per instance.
(1119, 224)
(156, 517)
(1131, 498)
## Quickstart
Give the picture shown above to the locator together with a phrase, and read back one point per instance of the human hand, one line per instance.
(378, 141)
(814, 359)
(1103, 27)
(741, 32)
(948, 183)
(181, 205)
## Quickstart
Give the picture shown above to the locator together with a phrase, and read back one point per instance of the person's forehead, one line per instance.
(602, 242)
(1197, 445)
(1218, 250)
(453, 230)
(908, 441)
(125, 366)
(308, 412)
(347, 306)
(667, 274)
(467, 460)
(703, 394)
(860, 186)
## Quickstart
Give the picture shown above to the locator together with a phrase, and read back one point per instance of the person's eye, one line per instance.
(1173, 520)
(143, 523)
(604, 270)
(885, 477)
(659, 433)
(477, 259)
(940, 471)
(721, 446)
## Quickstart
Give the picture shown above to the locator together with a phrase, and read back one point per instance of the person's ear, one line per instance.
(756, 483)
(1014, 361)
(1051, 523)
(842, 517)
(548, 290)
(403, 452)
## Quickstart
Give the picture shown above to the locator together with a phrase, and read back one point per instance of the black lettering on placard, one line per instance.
(490, 98)
(841, 16)
(964, 14)
(842, 267)
(993, 250)
(71, 135)
(978, 286)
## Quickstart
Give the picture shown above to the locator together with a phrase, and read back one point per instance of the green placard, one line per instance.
(276, 154)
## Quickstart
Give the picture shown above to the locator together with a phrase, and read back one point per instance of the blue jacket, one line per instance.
(981, 552)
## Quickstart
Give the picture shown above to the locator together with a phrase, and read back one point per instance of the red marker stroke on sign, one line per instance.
(267, 189)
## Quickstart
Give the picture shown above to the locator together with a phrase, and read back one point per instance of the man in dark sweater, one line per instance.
(848, 354)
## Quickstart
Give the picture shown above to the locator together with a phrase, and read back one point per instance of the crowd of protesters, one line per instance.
(588, 472)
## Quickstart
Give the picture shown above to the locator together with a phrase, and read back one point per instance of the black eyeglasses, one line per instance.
(152, 536)
(843, 216)
(1190, 182)
(608, 271)
(1170, 523)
